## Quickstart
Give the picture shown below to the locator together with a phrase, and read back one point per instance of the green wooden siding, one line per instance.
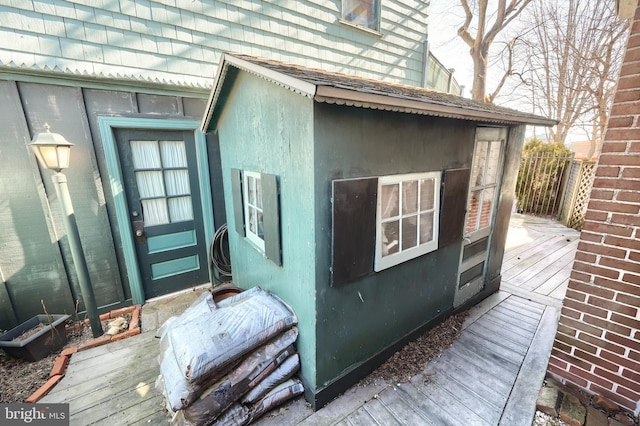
(181, 43)
(267, 129)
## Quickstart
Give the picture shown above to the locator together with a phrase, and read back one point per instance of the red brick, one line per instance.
(620, 160)
(613, 396)
(95, 342)
(628, 81)
(596, 216)
(602, 183)
(572, 341)
(634, 40)
(630, 243)
(623, 219)
(634, 147)
(633, 279)
(608, 171)
(579, 277)
(122, 311)
(632, 375)
(602, 249)
(625, 96)
(612, 147)
(620, 121)
(610, 206)
(617, 285)
(595, 360)
(135, 318)
(69, 351)
(571, 359)
(592, 289)
(613, 306)
(580, 326)
(585, 257)
(607, 229)
(623, 265)
(630, 406)
(601, 343)
(627, 70)
(628, 299)
(571, 313)
(585, 307)
(625, 320)
(126, 334)
(634, 256)
(566, 330)
(615, 378)
(624, 109)
(558, 362)
(600, 194)
(60, 366)
(105, 317)
(562, 347)
(629, 196)
(43, 390)
(631, 173)
(606, 325)
(591, 377)
(595, 270)
(569, 376)
(575, 295)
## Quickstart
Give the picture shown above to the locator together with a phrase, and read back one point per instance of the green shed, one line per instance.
(375, 210)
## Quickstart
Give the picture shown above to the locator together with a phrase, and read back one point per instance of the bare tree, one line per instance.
(570, 63)
(486, 23)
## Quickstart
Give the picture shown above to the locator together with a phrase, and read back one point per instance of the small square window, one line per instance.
(253, 212)
(362, 12)
(407, 217)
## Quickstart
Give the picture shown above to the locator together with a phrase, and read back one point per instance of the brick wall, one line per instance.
(597, 345)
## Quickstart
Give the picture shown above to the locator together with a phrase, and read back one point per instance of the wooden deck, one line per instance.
(490, 376)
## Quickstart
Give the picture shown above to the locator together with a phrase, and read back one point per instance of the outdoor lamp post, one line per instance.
(52, 151)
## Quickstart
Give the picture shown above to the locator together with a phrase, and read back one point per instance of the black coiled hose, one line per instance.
(219, 253)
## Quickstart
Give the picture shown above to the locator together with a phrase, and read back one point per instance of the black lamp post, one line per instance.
(53, 152)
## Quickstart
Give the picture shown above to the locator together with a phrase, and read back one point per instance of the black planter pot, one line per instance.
(40, 344)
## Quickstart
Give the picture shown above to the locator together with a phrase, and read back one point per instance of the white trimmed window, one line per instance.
(253, 208)
(365, 13)
(406, 217)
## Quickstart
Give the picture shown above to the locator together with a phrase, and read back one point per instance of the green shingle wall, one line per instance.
(181, 41)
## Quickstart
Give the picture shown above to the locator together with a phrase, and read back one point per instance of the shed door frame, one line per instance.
(107, 126)
(475, 247)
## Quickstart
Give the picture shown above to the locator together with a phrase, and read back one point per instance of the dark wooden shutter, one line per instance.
(236, 194)
(354, 229)
(454, 205)
(271, 218)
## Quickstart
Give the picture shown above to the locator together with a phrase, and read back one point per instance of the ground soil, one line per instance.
(20, 378)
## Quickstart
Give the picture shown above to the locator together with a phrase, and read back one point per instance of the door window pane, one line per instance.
(487, 207)
(173, 154)
(479, 162)
(177, 182)
(473, 209)
(145, 155)
(155, 212)
(493, 163)
(180, 209)
(150, 184)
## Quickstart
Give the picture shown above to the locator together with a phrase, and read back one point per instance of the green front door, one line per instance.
(163, 198)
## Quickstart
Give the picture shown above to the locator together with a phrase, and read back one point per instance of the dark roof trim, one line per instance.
(340, 89)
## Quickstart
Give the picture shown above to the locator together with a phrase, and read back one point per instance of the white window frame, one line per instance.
(357, 21)
(247, 206)
(384, 262)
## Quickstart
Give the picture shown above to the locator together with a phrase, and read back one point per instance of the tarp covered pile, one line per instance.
(229, 362)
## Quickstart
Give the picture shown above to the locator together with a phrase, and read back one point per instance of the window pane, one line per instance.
(426, 194)
(155, 212)
(252, 190)
(492, 163)
(426, 227)
(260, 222)
(173, 154)
(390, 201)
(487, 203)
(177, 182)
(390, 234)
(474, 208)
(150, 184)
(145, 155)
(361, 12)
(180, 209)
(409, 197)
(479, 164)
(259, 193)
(409, 232)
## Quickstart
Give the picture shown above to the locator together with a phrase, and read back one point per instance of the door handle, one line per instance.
(138, 230)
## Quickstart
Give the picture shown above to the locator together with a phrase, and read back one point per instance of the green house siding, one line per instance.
(181, 43)
(268, 129)
(358, 320)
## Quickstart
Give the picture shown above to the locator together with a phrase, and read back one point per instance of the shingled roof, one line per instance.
(342, 89)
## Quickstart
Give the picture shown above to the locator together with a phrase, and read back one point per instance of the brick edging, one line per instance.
(60, 366)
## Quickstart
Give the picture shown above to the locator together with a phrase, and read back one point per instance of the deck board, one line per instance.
(489, 376)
